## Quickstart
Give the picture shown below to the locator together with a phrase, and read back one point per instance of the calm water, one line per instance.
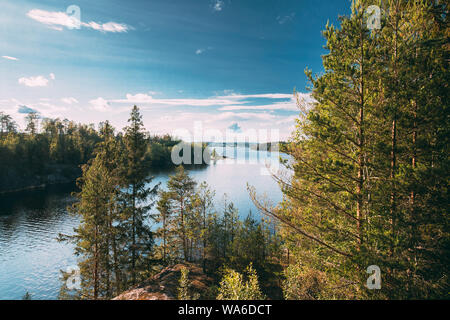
(30, 256)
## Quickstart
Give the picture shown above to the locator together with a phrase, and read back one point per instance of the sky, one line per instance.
(230, 65)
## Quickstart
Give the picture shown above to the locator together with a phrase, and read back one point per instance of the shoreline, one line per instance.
(35, 187)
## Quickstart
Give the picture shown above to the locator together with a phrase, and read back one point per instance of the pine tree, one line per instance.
(180, 191)
(95, 199)
(137, 197)
(164, 233)
(32, 120)
(108, 150)
(203, 207)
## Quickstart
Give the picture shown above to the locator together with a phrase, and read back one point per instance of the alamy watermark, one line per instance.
(73, 281)
(74, 14)
(374, 280)
(373, 17)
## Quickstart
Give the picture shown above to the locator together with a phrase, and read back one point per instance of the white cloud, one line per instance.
(107, 27)
(164, 115)
(203, 50)
(53, 19)
(218, 5)
(291, 105)
(137, 98)
(69, 100)
(38, 81)
(266, 95)
(10, 58)
(147, 99)
(231, 102)
(57, 20)
(100, 104)
(288, 105)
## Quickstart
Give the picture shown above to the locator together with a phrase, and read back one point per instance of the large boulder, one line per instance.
(164, 285)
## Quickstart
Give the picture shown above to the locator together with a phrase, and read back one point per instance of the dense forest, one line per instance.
(369, 183)
(51, 151)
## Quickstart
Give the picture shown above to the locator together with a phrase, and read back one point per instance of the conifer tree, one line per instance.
(203, 207)
(95, 200)
(180, 191)
(137, 198)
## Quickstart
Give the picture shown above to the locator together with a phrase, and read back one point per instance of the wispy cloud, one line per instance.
(230, 102)
(57, 20)
(144, 98)
(100, 104)
(202, 50)
(285, 19)
(218, 5)
(288, 105)
(107, 27)
(265, 95)
(10, 58)
(69, 100)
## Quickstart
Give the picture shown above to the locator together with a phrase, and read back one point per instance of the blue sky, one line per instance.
(229, 63)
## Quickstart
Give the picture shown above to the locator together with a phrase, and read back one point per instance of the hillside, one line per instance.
(164, 285)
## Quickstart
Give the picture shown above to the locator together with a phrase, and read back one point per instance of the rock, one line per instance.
(164, 285)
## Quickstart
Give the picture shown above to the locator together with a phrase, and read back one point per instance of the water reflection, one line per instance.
(30, 256)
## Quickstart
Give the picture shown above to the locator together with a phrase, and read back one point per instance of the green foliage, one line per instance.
(114, 241)
(234, 286)
(33, 158)
(184, 292)
(192, 230)
(305, 283)
(178, 205)
(55, 152)
(370, 161)
(92, 237)
(136, 197)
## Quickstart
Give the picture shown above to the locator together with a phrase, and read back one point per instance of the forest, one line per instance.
(51, 151)
(370, 164)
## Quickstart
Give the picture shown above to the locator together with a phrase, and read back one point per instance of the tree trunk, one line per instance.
(360, 181)
(133, 249)
(96, 263)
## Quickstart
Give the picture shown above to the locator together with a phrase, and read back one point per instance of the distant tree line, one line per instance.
(52, 150)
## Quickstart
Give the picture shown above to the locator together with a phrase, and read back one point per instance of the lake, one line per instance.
(30, 256)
